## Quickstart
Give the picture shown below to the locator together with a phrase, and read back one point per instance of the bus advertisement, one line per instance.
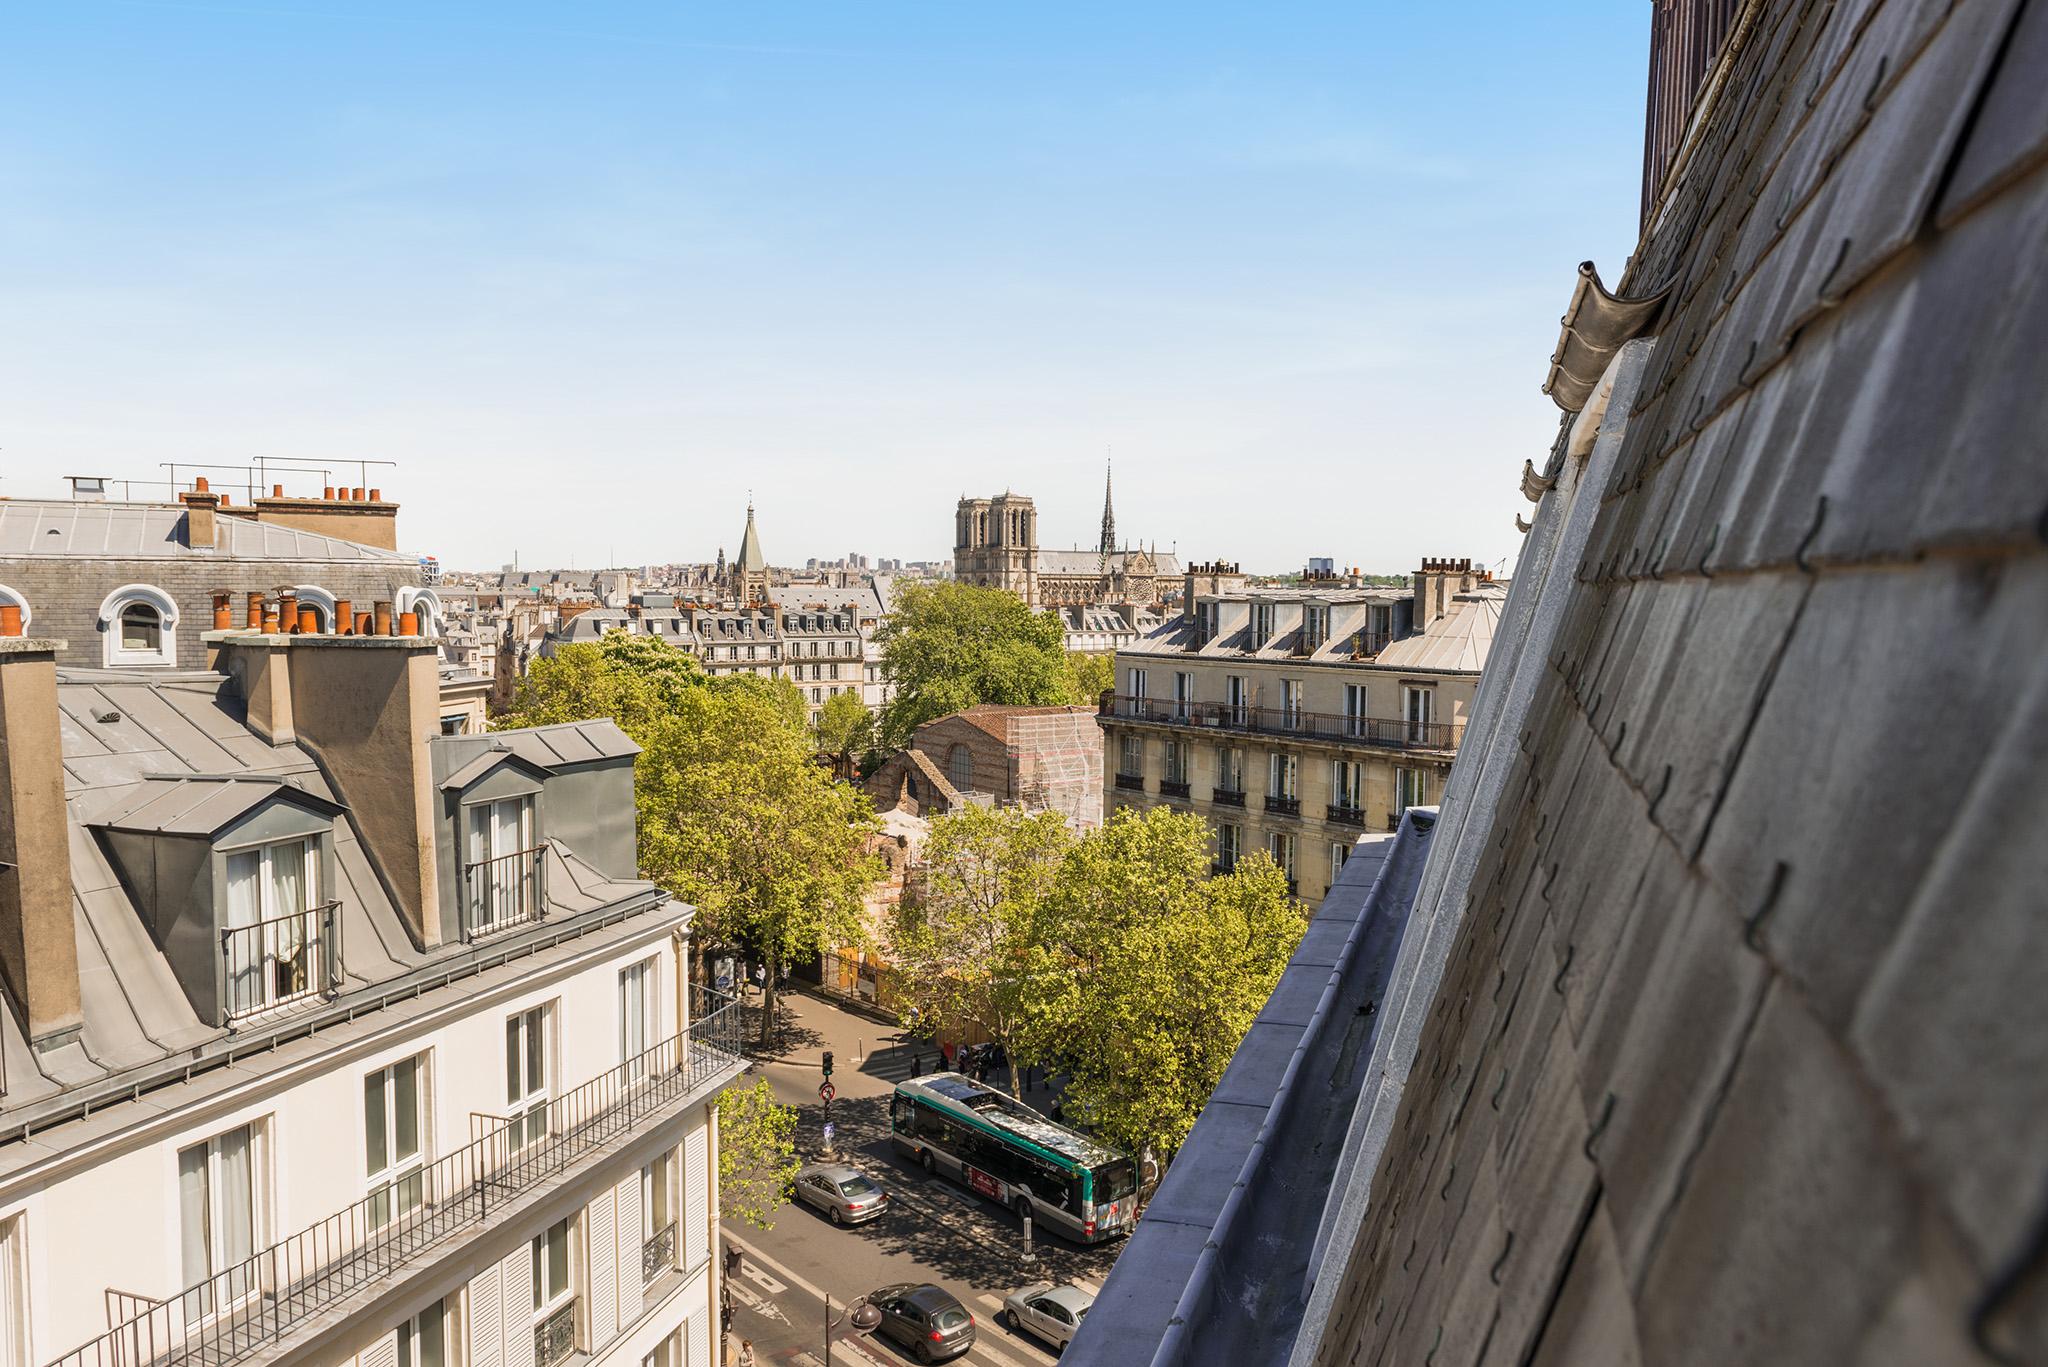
(1009, 1153)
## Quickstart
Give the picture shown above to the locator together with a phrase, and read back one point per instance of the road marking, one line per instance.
(755, 1274)
(760, 1305)
(984, 1348)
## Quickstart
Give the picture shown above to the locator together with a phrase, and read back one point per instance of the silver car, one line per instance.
(845, 1193)
(1052, 1313)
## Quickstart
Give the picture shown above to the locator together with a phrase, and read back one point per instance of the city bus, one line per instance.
(1009, 1153)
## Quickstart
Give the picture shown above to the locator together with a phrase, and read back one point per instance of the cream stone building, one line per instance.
(1293, 719)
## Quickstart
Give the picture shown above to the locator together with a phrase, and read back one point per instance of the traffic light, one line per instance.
(828, 1063)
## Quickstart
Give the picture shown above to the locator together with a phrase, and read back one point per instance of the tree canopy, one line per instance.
(963, 938)
(951, 646)
(757, 1162)
(845, 731)
(735, 815)
(1088, 676)
(1147, 973)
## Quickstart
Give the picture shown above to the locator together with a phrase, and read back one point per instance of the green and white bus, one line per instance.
(1011, 1154)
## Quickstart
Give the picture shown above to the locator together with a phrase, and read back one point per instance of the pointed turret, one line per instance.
(1108, 517)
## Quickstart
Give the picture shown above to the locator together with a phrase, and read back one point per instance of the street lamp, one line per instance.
(860, 1315)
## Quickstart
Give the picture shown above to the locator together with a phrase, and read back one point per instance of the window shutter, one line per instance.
(603, 1245)
(628, 1235)
(486, 1319)
(515, 1275)
(697, 1180)
(698, 1333)
(383, 1354)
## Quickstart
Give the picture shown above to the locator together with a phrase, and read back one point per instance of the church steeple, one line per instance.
(1108, 519)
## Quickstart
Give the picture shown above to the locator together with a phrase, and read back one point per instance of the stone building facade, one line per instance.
(995, 545)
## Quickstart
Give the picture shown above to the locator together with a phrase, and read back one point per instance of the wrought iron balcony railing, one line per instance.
(658, 1254)
(554, 1338)
(270, 964)
(510, 890)
(245, 1308)
(1227, 797)
(1172, 787)
(1131, 783)
(1283, 806)
(1345, 816)
(1392, 732)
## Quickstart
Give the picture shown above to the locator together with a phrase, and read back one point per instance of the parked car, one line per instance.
(845, 1193)
(928, 1320)
(1049, 1312)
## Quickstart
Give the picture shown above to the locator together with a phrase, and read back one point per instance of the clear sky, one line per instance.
(592, 272)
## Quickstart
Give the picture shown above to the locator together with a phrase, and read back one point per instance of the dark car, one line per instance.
(926, 1319)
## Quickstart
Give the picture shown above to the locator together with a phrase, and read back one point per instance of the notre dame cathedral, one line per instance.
(995, 545)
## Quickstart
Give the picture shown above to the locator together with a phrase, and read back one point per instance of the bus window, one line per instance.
(902, 1115)
(1115, 1181)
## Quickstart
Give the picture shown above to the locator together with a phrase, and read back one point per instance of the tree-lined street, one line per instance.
(935, 1230)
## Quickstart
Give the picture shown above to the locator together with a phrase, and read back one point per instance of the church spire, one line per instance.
(1108, 518)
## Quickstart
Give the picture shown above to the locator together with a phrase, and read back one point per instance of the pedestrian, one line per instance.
(761, 979)
(746, 1353)
(916, 1064)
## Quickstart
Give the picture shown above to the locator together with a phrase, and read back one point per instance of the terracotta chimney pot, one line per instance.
(253, 618)
(223, 613)
(277, 491)
(10, 619)
(382, 612)
(357, 495)
(199, 485)
(327, 492)
(271, 622)
(376, 495)
(364, 623)
(309, 620)
(408, 624)
(344, 617)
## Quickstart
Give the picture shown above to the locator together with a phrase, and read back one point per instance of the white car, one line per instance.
(1049, 1312)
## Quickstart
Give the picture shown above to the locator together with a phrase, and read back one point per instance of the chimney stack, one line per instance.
(201, 530)
(38, 932)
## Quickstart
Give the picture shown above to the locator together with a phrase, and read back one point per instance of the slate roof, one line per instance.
(1456, 643)
(202, 804)
(1719, 1028)
(147, 531)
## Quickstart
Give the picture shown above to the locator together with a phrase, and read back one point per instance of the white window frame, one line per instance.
(284, 940)
(1132, 754)
(497, 884)
(388, 1181)
(1137, 682)
(540, 1253)
(1183, 694)
(1262, 623)
(1418, 709)
(200, 1303)
(113, 654)
(639, 1028)
(1176, 762)
(1410, 789)
(1229, 843)
(1347, 784)
(526, 1101)
(660, 1186)
(1290, 703)
(1280, 844)
(1339, 853)
(14, 1337)
(1283, 775)
(1357, 708)
(1229, 769)
(414, 1332)
(1237, 693)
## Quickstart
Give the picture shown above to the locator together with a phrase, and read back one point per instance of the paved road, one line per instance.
(934, 1231)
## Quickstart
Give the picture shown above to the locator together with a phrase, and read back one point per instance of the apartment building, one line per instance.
(334, 1039)
(1293, 719)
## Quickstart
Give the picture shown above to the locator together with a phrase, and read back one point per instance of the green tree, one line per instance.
(757, 1163)
(963, 940)
(734, 814)
(951, 646)
(1148, 972)
(1088, 677)
(845, 731)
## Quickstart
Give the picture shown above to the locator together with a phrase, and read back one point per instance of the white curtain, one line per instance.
(193, 1243)
(236, 1207)
(245, 908)
(288, 896)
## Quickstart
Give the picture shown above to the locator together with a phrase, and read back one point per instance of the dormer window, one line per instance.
(278, 930)
(503, 874)
(139, 623)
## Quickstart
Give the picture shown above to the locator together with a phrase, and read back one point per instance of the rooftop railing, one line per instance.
(509, 890)
(1392, 732)
(270, 964)
(246, 1307)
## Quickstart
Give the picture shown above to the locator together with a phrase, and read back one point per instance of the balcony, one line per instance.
(1330, 727)
(510, 890)
(1346, 816)
(269, 965)
(1227, 797)
(1131, 783)
(658, 1254)
(248, 1308)
(554, 1338)
(1223, 866)
(1283, 806)
(1169, 787)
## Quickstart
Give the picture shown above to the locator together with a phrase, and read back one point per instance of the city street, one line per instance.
(935, 1230)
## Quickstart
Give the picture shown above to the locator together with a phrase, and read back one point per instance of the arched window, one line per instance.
(138, 626)
(14, 598)
(427, 604)
(960, 767)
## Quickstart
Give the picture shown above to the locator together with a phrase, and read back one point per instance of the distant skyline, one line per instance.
(590, 276)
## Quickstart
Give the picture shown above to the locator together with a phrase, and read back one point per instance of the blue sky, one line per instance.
(591, 273)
